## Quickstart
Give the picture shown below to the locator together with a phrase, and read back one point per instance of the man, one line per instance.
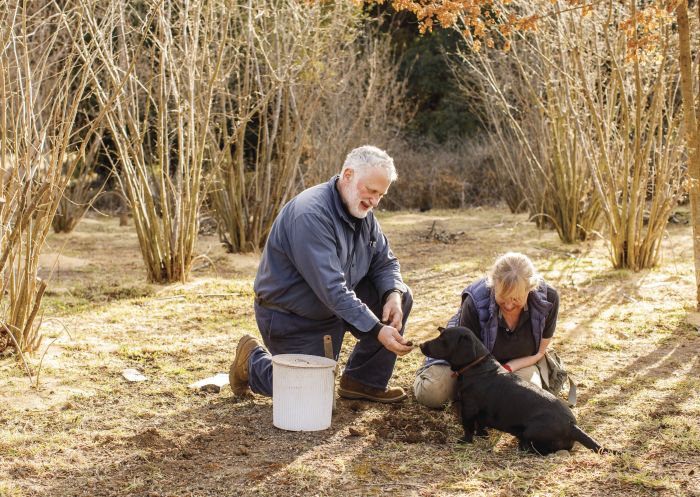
(327, 269)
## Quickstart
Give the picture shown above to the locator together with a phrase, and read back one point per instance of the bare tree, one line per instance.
(286, 58)
(365, 103)
(80, 189)
(43, 81)
(644, 24)
(598, 129)
(531, 109)
(160, 63)
(634, 143)
(686, 28)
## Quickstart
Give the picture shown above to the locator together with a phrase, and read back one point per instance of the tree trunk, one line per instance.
(691, 134)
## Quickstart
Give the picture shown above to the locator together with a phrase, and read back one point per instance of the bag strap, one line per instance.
(572, 392)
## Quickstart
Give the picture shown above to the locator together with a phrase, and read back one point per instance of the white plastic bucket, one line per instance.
(302, 392)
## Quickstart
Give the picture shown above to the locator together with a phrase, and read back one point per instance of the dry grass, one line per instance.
(85, 431)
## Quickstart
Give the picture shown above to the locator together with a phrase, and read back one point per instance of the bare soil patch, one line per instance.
(88, 432)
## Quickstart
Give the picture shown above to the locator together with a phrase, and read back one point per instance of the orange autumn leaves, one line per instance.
(484, 21)
(492, 23)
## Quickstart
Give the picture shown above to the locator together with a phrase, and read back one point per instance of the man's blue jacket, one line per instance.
(316, 255)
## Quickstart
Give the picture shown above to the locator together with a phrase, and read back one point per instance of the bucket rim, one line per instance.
(303, 361)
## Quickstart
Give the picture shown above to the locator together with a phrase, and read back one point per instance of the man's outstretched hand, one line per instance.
(393, 341)
(392, 313)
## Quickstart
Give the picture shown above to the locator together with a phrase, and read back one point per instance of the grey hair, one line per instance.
(362, 158)
(512, 271)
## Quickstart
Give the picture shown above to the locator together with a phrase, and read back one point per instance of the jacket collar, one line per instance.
(338, 203)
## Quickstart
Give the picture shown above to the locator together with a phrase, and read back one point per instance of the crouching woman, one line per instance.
(514, 312)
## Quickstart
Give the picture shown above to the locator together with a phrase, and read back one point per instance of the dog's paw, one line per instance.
(482, 432)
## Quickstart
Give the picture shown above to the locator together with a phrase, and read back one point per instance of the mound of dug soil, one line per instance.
(411, 426)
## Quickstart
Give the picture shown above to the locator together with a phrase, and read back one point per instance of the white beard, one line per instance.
(352, 202)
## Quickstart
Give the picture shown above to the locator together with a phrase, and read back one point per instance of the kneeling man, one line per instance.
(326, 269)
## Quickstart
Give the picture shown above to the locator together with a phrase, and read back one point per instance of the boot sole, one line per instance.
(348, 394)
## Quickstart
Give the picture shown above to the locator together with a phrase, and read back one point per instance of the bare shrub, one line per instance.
(364, 102)
(635, 147)
(160, 64)
(42, 84)
(504, 147)
(595, 134)
(531, 110)
(80, 190)
(264, 113)
(302, 90)
(453, 175)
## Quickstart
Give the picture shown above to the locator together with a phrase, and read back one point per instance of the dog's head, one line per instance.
(458, 346)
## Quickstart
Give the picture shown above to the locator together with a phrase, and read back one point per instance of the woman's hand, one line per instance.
(523, 362)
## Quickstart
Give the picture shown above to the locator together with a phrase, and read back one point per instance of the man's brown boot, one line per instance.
(353, 389)
(238, 374)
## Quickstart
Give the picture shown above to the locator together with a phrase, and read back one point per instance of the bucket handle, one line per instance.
(328, 351)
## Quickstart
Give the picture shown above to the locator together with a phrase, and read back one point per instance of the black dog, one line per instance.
(493, 398)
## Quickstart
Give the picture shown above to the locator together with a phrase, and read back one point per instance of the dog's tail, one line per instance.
(587, 441)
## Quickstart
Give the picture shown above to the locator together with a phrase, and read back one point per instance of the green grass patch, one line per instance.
(146, 356)
(605, 346)
(646, 479)
(10, 490)
(101, 292)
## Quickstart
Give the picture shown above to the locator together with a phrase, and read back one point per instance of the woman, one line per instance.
(514, 312)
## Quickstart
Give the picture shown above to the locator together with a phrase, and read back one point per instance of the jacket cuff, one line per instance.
(375, 330)
(386, 294)
(383, 287)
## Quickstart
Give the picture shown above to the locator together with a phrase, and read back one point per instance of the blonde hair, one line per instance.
(512, 272)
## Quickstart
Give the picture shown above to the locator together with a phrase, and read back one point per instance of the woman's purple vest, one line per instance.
(485, 303)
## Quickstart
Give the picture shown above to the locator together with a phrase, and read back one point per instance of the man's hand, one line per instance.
(392, 314)
(393, 341)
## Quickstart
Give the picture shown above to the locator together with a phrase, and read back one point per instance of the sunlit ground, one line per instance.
(86, 431)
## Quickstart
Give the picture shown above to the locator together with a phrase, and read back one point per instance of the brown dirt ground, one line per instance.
(87, 432)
